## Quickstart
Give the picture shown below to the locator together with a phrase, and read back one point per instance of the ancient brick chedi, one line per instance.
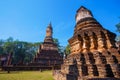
(47, 54)
(93, 52)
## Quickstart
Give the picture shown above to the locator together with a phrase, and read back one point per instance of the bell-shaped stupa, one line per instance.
(93, 52)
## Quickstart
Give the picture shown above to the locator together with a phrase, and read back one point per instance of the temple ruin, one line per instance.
(47, 54)
(93, 52)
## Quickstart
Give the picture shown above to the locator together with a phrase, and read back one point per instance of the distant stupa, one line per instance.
(47, 54)
(93, 52)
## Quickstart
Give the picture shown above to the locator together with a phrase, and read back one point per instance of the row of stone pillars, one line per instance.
(99, 41)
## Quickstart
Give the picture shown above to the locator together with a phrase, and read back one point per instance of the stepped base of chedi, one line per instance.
(93, 52)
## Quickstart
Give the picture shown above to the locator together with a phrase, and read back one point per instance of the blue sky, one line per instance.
(26, 20)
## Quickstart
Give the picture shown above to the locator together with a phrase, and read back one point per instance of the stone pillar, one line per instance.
(109, 44)
(80, 43)
(87, 59)
(78, 47)
(93, 41)
(92, 46)
(86, 44)
(101, 43)
(97, 58)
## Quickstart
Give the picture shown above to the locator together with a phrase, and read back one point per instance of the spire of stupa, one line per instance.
(83, 12)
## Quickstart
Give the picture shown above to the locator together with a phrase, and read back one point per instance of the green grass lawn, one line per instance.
(26, 75)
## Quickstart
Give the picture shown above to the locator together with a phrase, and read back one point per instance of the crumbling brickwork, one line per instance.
(93, 52)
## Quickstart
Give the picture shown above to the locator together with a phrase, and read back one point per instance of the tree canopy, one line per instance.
(118, 27)
(118, 30)
(23, 52)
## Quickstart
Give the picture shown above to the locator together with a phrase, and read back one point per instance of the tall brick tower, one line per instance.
(93, 52)
(47, 54)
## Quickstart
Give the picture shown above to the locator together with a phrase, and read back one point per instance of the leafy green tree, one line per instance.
(23, 52)
(1, 47)
(10, 39)
(36, 45)
(8, 46)
(117, 38)
(118, 27)
(118, 30)
(1, 51)
(60, 48)
(57, 43)
(1, 42)
(67, 50)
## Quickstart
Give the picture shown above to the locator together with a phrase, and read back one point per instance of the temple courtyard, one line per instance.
(88, 47)
(26, 75)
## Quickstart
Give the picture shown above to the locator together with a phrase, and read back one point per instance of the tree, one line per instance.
(57, 43)
(23, 52)
(118, 27)
(60, 48)
(36, 46)
(8, 46)
(1, 47)
(118, 30)
(117, 38)
(10, 39)
(67, 49)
